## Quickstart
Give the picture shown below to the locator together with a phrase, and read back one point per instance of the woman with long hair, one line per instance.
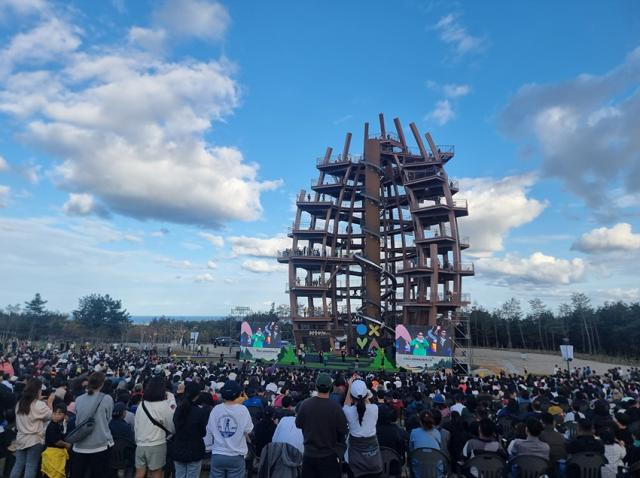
(363, 452)
(31, 415)
(91, 454)
(190, 420)
(154, 420)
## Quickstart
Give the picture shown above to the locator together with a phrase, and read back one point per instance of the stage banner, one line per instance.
(260, 341)
(420, 348)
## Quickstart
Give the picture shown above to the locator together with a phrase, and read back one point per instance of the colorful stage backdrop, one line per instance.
(260, 341)
(421, 348)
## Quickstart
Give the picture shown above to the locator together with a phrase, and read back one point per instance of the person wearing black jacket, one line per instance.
(390, 435)
(585, 441)
(263, 431)
(120, 429)
(187, 448)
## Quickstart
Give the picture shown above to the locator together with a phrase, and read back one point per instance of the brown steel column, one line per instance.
(372, 226)
(433, 310)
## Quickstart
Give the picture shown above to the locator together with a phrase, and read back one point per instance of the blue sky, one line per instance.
(152, 150)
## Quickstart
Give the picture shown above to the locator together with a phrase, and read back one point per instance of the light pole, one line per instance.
(566, 349)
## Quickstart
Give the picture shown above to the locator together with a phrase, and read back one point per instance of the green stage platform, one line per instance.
(333, 361)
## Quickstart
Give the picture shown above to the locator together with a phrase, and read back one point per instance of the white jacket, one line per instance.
(148, 434)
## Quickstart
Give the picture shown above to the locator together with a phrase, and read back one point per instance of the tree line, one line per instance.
(166, 329)
(609, 329)
(97, 316)
(101, 318)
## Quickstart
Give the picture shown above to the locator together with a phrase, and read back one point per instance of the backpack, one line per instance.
(85, 427)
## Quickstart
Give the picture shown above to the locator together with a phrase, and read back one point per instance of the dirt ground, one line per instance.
(492, 361)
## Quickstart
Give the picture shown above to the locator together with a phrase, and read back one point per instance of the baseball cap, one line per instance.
(231, 390)
(437, 398)
(324, 382)
(271, 387)
(359, 389)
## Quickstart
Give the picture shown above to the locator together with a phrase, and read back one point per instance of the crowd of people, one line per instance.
(86, 411)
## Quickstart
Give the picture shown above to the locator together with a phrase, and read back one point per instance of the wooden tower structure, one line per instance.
(376, 239)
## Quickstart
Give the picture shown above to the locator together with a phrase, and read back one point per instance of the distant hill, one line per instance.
(145, 319)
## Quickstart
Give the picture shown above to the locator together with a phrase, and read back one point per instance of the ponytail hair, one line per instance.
(191, 391)
(426, 420)
(361, 407)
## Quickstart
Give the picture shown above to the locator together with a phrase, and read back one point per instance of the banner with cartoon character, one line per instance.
(260, 341)
(421, 348)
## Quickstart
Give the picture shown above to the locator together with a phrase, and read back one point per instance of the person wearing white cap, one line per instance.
(363, 452)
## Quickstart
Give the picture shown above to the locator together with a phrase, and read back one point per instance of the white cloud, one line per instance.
(617, 238)
(620, 293)
(206, 277)
(130, 129)
(100, 231)
(216, 241)
(191, 246)
(211, 265)
(4, 166)
(177, 264)
(496, 206)
(77, 259)
(71, 263)
(255, 246)
(119, 6)
(148, 38)
(52, 40)
(133, 238)
(207, 20)
(81, 205)
(442, 113)
(628, 200)
(5, 193)
(455, 34)
(537, 269)
(31, 173)
(263, 267)
(586, 129)
(342, 119)
(456, 91)
(22, 7)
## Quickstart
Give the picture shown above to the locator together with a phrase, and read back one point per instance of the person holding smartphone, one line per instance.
(363, 452)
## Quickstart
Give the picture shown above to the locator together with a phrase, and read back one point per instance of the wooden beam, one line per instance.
(383, 130)
(416, 136)
(347, 143)
(400, 132)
